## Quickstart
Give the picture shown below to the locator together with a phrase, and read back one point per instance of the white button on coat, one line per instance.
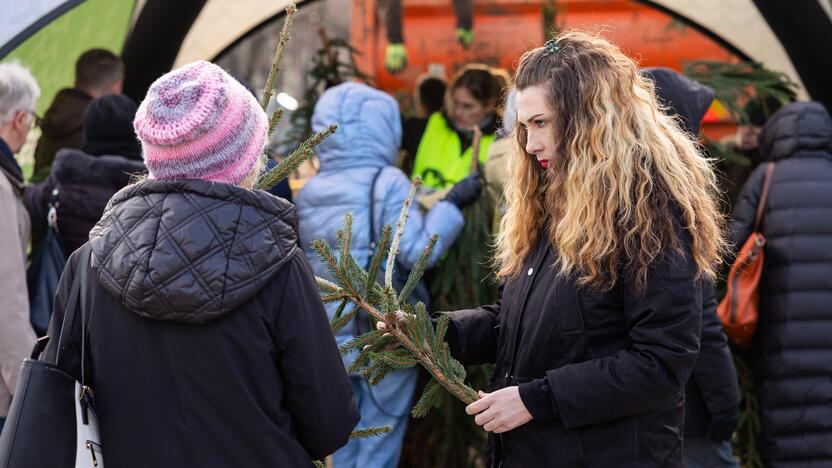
(531, 270)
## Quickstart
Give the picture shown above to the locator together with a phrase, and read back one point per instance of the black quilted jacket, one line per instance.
(209, 344)
(794, 336)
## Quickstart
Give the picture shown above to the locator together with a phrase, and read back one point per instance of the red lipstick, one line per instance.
(544, 163)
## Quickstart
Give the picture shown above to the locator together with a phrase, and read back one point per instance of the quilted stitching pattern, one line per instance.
(190, 251)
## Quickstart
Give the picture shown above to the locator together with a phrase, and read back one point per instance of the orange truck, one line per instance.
(504, 29)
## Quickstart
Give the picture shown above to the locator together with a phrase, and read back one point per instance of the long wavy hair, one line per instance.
(626, 177)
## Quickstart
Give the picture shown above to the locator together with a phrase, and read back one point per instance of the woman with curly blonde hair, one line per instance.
(610, 232)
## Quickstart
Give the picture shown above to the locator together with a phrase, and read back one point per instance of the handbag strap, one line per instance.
(373, 241)
(72, 303)
(83, 303)
(761, 207)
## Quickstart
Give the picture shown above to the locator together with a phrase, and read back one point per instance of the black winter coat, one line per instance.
(209, 343)
(62, 127)
(603, 374)
(85, 184)
(794, 335)
(712, 393)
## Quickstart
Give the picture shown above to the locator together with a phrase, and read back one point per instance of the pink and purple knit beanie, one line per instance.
(198, 122)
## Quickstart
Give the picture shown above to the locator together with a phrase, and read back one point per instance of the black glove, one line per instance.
(466, 191)
(722, 426)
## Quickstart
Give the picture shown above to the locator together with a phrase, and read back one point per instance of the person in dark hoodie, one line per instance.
(98, 72)
(712, 393)
(86, 178)
(793, 341)
(208, 342)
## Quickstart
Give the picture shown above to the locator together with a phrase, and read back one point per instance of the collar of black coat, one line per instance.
(800, 127)
(189, 250)
(74, 166)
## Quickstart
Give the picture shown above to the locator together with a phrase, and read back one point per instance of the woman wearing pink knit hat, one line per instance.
(208, 344)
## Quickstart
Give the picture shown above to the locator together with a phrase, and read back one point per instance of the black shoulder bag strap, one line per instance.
(78, 300)
(72, 303)
(373, 240)
(362, 323)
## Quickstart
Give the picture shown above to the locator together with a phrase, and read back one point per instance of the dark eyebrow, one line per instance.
(532, 118)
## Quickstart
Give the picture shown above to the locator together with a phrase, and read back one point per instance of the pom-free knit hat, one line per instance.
(197, 122)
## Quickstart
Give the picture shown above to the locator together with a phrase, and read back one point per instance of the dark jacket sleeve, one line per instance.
(318, 392)
(473, 333)
(745, 212)
(664, 324)
(714, 373)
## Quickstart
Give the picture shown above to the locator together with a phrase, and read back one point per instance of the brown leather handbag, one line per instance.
(738, 309)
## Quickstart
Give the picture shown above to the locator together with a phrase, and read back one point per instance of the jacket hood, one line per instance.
(66, 114)
(684, 96)
(369, 127)
(190, 251)
(108, 127)
(799, 126)
(74, 166)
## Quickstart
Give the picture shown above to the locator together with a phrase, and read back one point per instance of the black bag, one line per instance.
(52, 415)
(48, 262)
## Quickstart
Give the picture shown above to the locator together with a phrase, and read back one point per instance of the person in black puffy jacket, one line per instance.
(712, 393)
(793, 341)
(208, 342)
(86, 178)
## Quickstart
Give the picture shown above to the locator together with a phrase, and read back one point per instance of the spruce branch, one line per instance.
(275, 119)
(367, 432)
(394, 249)
(304, 152)
(418, 269)
(409, 341)
(268, 90)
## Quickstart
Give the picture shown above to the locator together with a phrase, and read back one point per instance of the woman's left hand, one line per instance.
(499, 411)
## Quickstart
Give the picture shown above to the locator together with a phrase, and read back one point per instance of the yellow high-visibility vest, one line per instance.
(439, 160)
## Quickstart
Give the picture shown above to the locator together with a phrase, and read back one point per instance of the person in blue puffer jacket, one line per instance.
(358, 174)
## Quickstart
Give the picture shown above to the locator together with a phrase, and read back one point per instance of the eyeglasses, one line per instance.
(36, 119)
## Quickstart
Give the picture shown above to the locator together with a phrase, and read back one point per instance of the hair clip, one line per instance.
(551, 46)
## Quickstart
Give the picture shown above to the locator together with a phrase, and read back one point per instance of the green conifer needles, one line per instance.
(411, 339)
(304, 152)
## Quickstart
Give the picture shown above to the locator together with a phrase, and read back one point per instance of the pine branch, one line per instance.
(737, 84)
(268, 90)
(367, 432)
(407, 343)
(418, 269)
(340, 322)
(378, 257)
(429, 399)
(394, 249)
(304, 152)
(275, 119)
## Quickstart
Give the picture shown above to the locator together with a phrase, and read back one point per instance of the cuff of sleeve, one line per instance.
(537, 399)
